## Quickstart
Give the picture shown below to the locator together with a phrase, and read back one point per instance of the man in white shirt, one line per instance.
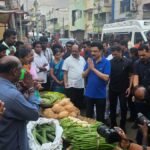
(41, 63)
(74, 83)
(48, 53)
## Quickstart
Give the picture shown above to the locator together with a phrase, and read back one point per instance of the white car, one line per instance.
(63, 41)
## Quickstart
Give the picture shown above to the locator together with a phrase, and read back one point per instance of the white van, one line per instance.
(134, 30)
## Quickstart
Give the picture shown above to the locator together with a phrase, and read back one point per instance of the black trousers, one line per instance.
(100, 108)
(131, 106)
(113, 98)
(76, 96)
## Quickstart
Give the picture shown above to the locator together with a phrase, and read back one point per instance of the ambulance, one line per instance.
(131, 30)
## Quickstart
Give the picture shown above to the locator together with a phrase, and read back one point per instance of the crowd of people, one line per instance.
(97, 77)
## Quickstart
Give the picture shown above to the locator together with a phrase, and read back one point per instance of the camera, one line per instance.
(110, 134)
(141, 119)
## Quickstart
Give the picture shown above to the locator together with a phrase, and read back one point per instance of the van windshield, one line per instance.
(110, 37)
(147, 34)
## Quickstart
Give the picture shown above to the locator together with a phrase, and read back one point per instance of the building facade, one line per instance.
(87, 17)
(77, 19)
(58, 21)
(143, 9)
(102, 15)
(12, 16)
(130, 9)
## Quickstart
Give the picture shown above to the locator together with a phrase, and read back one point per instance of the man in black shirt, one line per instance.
(124, 47)
(69, 45)
(142, 78)
(142, 75)
(120, 85)
(142, 67)
(86, 51)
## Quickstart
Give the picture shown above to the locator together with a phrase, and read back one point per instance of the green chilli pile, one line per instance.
(44, 133)
(49, 98)
(83, 136)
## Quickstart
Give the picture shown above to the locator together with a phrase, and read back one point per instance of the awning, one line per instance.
(5, 15)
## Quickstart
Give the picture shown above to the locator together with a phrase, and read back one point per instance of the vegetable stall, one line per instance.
(62, 127)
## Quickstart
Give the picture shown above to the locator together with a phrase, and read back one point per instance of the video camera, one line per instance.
(110, 134)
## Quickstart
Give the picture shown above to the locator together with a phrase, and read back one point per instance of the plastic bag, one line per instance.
(57, 143)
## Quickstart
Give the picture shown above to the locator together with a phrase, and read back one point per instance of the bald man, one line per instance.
(74, 83)
(18, 111)
(142, 94)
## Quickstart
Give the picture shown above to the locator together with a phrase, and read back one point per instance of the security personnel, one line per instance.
(120, 85)
(142, 78)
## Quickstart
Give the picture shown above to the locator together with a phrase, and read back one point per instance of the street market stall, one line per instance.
(62, 127)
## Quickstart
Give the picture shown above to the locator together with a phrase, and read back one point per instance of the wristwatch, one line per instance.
(144, 147)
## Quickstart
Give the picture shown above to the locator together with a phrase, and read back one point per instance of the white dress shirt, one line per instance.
(74, 67)
(48, 54)
(39, 61)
